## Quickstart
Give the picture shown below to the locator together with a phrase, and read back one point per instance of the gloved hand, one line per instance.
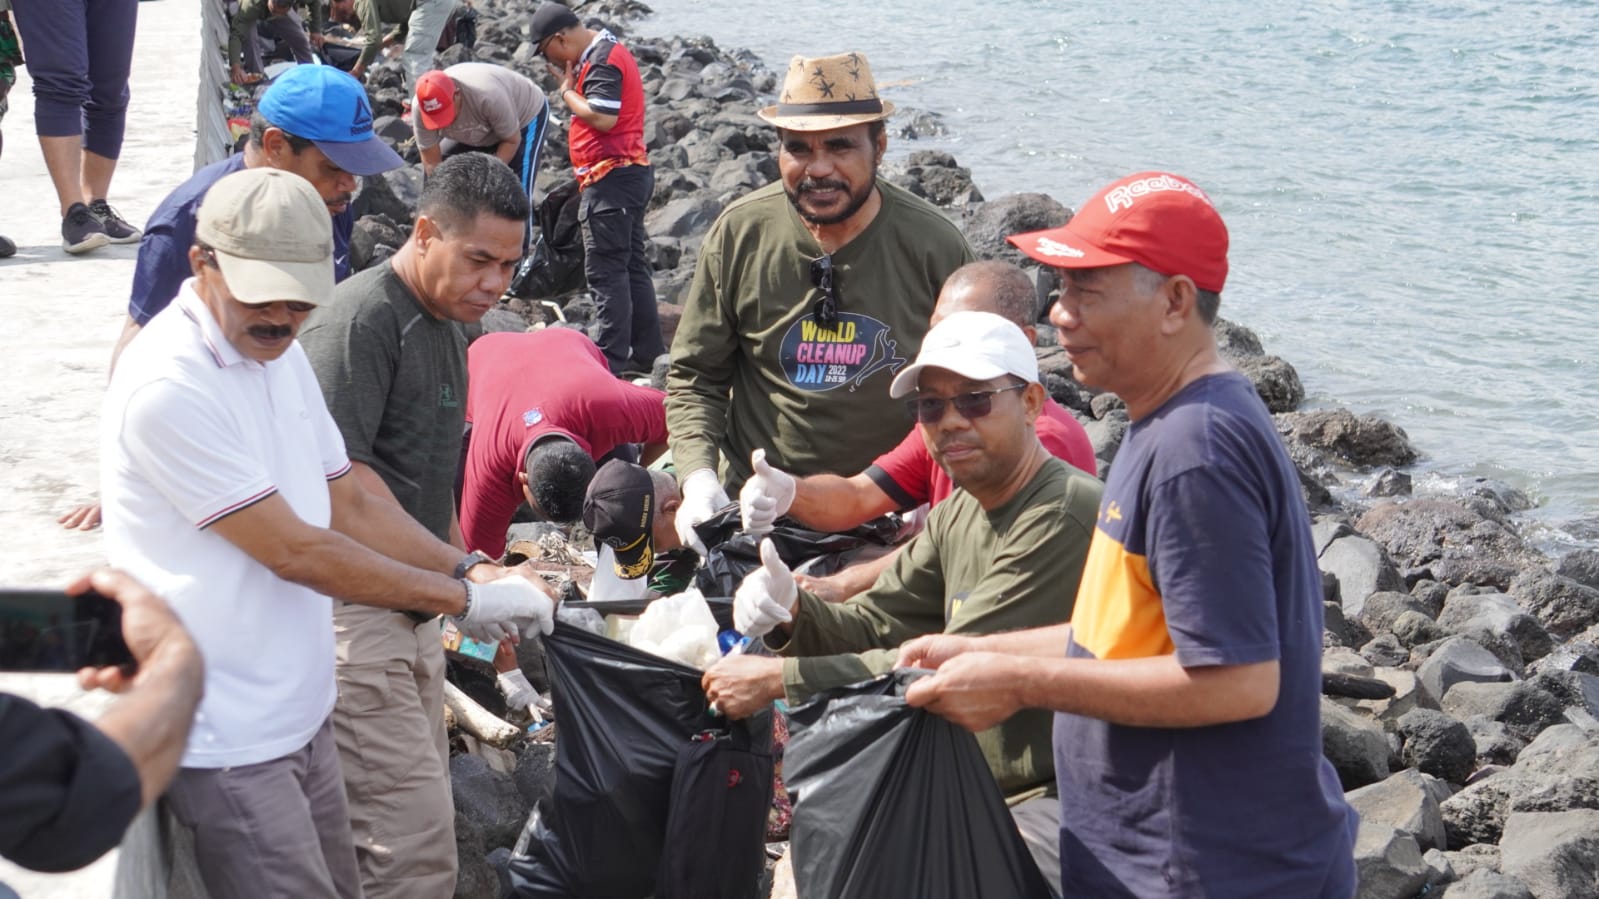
(503, 608)
(765, 497)
(519, 694)
(703, 497)
(767, 596)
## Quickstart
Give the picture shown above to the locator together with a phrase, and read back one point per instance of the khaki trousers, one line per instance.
(389, 724)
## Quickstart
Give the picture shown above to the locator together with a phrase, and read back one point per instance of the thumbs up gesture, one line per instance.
(767, 597)
(765, 497)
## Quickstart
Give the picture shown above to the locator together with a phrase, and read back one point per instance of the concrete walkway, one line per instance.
(61, 317)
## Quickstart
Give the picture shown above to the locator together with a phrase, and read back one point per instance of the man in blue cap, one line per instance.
(314, 121)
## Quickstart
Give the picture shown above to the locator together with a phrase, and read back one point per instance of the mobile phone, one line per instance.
(47, 630)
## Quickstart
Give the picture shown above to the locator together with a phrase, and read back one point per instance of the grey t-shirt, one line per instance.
(395, 380)
(492, 104)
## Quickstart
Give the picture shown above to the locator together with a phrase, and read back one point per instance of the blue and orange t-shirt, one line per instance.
(1203, 550)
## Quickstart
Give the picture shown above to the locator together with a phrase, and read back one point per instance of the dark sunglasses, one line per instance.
(929, 410)
(209, 256)
(823, 278)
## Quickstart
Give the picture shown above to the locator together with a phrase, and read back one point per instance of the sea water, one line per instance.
(1412, 188)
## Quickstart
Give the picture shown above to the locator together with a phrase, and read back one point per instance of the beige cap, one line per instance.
(272, 235)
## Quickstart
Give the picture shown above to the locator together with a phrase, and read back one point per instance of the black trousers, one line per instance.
(611, 211)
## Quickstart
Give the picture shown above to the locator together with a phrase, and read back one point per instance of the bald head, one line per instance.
(990, 286)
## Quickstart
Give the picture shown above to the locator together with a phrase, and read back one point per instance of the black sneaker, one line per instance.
(116, 227)
(7, 248)
(81, 231)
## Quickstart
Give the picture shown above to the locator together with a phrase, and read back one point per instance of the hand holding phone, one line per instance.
(49, 630)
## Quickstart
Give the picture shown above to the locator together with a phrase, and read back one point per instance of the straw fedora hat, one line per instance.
(827, 92)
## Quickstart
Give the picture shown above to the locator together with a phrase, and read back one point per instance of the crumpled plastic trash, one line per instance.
(679, 627)
(587, 619)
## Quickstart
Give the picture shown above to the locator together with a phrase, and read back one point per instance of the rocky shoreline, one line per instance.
(1461, 664)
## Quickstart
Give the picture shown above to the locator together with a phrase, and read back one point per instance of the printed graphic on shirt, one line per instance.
(818, 358)
(447, 397)
(532, 416)
(1118, 614)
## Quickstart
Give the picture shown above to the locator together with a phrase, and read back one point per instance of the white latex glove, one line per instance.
(519, 694)
(703, 497)
(767, 596)
(504, 608)
(765, 497)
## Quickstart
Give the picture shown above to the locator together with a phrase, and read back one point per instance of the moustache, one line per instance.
(270, 332)
(947, 445)
(810, 184)
(343, 199)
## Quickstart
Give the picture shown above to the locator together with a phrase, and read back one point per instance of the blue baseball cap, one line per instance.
(329, 108)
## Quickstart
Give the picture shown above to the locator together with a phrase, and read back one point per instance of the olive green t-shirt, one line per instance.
(970, 571)
(394, 378)
(751, 367)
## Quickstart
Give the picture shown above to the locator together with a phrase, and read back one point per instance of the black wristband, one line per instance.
(470, 559)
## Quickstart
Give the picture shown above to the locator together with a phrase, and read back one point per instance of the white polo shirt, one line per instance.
(192, 432)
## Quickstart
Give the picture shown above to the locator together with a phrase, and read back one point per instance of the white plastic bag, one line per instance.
(680, 628)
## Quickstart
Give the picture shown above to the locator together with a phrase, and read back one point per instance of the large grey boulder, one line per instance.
(1355, 744)
(1525, 707)
(1388, 863)
(1495, 618)
(1275, 381)
(988, 224)
(1362, 441)
(1485, 884)
(683, 217)
(1361, 568)
(1458, 660)
(1384, 607)
(1447, 542)
(1405, 801)
(1437, 744)
(1559, 771)
(1581, 566)
(1556, 854)
(1564, 606)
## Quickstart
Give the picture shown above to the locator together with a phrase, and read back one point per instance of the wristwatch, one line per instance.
(472, 558)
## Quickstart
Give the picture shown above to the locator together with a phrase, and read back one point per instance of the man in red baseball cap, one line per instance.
(479, 107)
(1187, 684)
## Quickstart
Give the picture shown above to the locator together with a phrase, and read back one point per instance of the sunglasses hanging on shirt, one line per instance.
(825, 279)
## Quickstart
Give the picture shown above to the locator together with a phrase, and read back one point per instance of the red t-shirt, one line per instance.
(524, 386)
(908, 474)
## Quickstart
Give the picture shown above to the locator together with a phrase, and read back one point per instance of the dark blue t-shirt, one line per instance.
(164, 250)
(1203, 550)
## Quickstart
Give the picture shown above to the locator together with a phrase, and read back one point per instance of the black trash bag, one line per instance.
(628, 720)
(895, 801)
(732, 553)
(554, 264)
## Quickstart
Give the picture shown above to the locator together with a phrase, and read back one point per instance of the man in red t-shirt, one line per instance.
(906, 476)
(600, 86)
(542, 408)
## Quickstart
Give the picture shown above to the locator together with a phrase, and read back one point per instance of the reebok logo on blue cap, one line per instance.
(313, 102)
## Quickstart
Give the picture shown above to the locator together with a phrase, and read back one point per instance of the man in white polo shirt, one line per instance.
(223, 486)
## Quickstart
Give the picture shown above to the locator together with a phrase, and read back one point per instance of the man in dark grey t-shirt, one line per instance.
(391, 359)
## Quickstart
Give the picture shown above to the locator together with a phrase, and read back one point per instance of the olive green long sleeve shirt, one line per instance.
(253, 11)
(970, 571)
(374, 14)
(751, 366)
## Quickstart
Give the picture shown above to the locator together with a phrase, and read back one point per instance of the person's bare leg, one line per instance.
(63, 156)
(96, 177)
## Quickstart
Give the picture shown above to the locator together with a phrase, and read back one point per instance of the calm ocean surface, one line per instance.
(1412, 187)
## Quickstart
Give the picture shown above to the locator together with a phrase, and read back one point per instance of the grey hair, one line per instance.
(1003, 287)
(1206, 302)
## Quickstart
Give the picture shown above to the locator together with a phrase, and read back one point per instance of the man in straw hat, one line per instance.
(1187, 684)
(809, 294)
(226, 489)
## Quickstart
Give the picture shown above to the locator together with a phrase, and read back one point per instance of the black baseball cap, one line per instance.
(550, 18)
(619, 510)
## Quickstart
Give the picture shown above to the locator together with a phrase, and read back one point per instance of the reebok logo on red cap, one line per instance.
(1161, 221)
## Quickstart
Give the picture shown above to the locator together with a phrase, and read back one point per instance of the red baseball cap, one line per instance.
(1156, 219)
(435, 100)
